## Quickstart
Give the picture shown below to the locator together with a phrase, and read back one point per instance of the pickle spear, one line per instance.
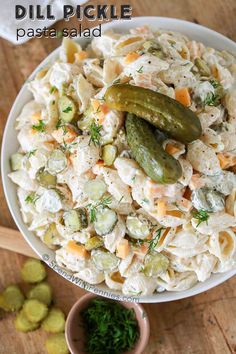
(163, 112)
(158, 164)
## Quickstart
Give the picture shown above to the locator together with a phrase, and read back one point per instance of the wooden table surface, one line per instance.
(198, 325)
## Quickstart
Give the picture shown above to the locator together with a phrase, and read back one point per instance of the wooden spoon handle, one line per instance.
(12, 240)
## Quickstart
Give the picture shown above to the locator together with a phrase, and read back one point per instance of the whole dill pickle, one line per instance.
(163, 112)
(158, 164)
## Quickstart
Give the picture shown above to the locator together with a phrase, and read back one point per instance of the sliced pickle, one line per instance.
(95, 189)
(33, 271)
(93, 243)
(22, 323)
(41, 292)
(11, 299)
(54, 322)
(34, 310)
(45, 178)
(56, 344)
(105, 261)
(75, 219)
(155, 264)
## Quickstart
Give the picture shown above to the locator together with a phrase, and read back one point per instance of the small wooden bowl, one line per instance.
(74, 331)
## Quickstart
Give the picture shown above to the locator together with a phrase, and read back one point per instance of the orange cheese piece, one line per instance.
(62, 135)
(123, 249)
(182, 95)
(77, 249)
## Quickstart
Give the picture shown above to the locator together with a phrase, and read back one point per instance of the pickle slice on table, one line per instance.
(156, 162)
(33, 271)
(11, 299)
(54, 322)
(22, 323)
(56, 344)
(163, 112)
(34, 310)
(41, 292)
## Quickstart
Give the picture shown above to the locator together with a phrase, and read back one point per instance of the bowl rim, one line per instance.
(167, 23)
(143, 319)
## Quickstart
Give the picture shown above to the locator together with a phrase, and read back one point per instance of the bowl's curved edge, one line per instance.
(36, 244)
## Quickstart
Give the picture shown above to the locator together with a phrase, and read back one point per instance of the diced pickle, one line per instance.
(67, 109)
(56, 344)
(202, 66)
(41, 292)
(109, 153)
(11, 298)
(16, 161)
(137, 226)
(22, 323)
(57, 162)
(93, 243)
(208, 199)
(45, 178)
(75, 219)
(160, 110)
(33, 271)
(154, 48)
(50, 235)
(95, 189)
(54, 322)
(105, 222)
(105, 261)
(34, 310)
(155, 264)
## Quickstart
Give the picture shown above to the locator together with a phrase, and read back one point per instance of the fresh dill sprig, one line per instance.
(67, 109)
(52, 89)
(201, 215)
(110, 328)
(214, 98)
(31, 153)
(140, 70)
(61, 124)
(103, 203)
(65, 147)
(31, 198)
(154, 241)
(40, 127)
(151, 243)
(95, 133)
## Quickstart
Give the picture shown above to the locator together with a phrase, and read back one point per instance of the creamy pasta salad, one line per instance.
(84, 192)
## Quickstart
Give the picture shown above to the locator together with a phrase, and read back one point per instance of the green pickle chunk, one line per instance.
(75, 219)
(163, 112)
(11, 299)
(54, 322)
(41, 292)
(155, 264)
(56, 344)
(158, 164)
(67, 109)
(22, 323)
(34, 310)
(45, 178)
(93, 243)
(33, 271)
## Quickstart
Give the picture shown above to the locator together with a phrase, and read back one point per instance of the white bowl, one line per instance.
(10, 145)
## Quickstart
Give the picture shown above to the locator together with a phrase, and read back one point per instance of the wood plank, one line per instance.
(203, 324)
(12, 240)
